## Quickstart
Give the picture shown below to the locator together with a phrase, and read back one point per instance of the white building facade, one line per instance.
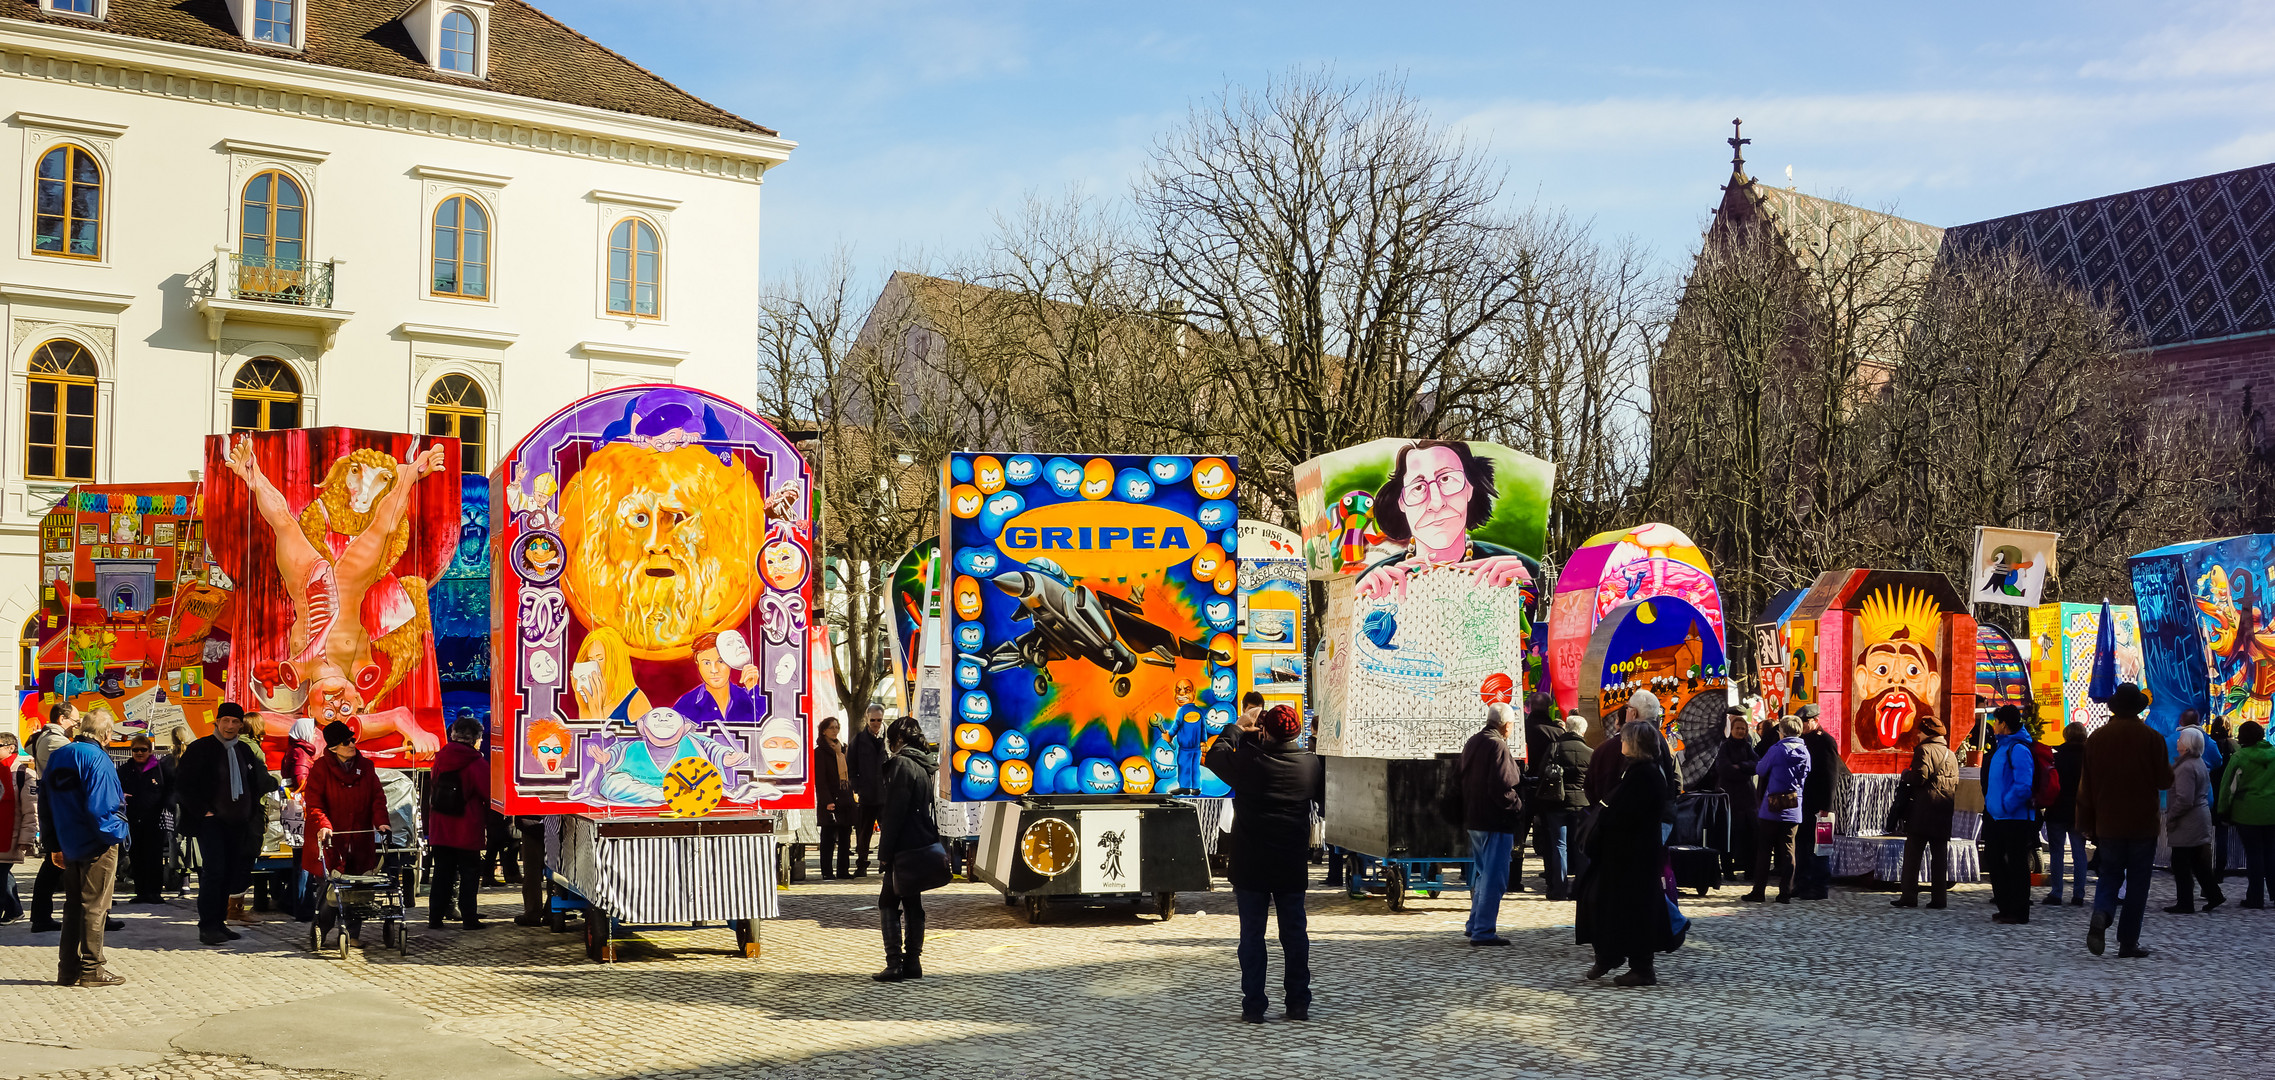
(452, 217)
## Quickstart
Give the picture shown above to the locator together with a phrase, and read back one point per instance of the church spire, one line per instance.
(1737, 142)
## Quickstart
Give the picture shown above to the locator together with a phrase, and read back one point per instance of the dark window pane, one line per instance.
(470, 428)
(42, 461)
(86, 202)
(79, 431)
(83, 169)
(79, 399)
(284, 414)
(50, 199)
(469, 457)
(81, 464)
(438, 423)
(475, 218)
(287, 223)
(447, 213)
(287, 192)
(83, 238)
(48, 234)
(445, 242)
(244, 414)
(445, 276)
(288, 253)
(42, 428)
(51, 164)
(256, 221)
(43, 396)
(621, 235)
(258, 190)
(475, 284)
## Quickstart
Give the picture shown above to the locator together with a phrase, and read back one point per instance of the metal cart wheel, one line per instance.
(346, 932)
(402, 938)
(1394, 886)
(1036, 906)
(1167, 903)
(315, 936)
(557, 921)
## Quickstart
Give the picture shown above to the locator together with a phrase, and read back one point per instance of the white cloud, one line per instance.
(2214, 41)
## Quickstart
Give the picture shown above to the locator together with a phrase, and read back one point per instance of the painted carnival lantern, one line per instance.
(652, 578)
(1619, 567)
(2207, 619)
(1884, 650)
(1665, 646)
(2062, 641)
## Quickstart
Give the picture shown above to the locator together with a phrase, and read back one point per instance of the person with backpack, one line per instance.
(1932, 785)
(2247, 797)
(1559, 782)
(2010, 826)
(458, 824)
(2118, 795)
(1492, 811)
(2061, 818)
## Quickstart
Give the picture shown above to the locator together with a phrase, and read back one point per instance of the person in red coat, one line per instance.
(344, 809)
(458, 837)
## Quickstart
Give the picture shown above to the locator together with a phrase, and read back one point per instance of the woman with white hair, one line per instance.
(2188, 826)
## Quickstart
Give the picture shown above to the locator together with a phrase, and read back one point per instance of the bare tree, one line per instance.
(1335, 255)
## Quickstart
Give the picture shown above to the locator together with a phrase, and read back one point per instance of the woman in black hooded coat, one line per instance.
(1622, 908)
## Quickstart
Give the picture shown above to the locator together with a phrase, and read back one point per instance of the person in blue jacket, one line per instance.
(1785, 773)
(82, 829)
(2010, 831)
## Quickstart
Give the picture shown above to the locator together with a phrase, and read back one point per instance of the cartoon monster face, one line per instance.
(1135, 486)
(987, 474)
(1217, 514)
(977, 561)
(1207, 562)
(1054, 758)
(1100, 777)
(1219, 613)
(968, 597)
(967, 672)
(1064, 476)
(1097, 478)
(1220, 686)
(1169, 470)
(1216, 719)
(1011, 745)
(974, 737)
(1022, 470)
(1137, 775)
(970, 635)
(1212, 478)
(964, 501)
(784, 565)
(1164, 761)
(975, 707)
(979, 777)
(1016, 777)
(1000, 507)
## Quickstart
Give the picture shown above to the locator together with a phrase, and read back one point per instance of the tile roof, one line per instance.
(531, 54)
(2186, 261)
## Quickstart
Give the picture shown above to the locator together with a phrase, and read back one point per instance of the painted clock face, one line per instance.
(1049, 846)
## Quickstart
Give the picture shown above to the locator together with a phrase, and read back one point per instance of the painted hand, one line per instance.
(1380, 582)
(1501, 571)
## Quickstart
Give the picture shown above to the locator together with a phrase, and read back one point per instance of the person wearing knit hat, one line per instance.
(344, 809)
(1932, 781)
(1274, 782)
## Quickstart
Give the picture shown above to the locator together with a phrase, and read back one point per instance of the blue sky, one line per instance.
(919, 122)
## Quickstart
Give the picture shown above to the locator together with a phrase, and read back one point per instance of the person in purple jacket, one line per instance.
(1784, 770)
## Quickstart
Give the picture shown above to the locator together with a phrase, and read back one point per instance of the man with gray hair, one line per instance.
(83, 828)
(1492, 811)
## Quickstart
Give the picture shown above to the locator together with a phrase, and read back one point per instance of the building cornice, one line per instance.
(250, 148)
(458, 335)
(286, 86)
(67, 123)
(460, 176)
(645, 354)
(626, 198)
(82, 299)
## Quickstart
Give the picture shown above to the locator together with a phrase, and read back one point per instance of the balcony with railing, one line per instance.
(267, 289)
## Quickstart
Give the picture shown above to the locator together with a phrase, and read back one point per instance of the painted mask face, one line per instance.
(1015, 777)
(662, 727)
(967, 597)
(784, 669)
(784, 565)
(964, 501)
(974, 737)
(1137, 776)
(1011, 745)
(543, 668)
(1097, 478)
(1212, 478)
(549, 754)
(987, 474)
(1022, 470)
(778, 747)
(1064, 476)
(1435, 499)
(1898, 682)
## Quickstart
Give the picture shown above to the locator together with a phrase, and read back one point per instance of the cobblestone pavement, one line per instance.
(1843, 988)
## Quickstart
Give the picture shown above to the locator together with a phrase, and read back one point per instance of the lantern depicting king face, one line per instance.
(1897, 682)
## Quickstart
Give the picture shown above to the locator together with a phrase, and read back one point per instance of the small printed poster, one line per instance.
(1110, 851)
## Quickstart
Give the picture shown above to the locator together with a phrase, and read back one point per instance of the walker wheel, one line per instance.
(1167, 904)
(315, 936)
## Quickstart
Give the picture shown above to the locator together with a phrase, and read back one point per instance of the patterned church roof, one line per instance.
(2186, 261)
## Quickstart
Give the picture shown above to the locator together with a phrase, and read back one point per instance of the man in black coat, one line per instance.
(1814, 871)
(865, 764)
(1560, 773)
(1493, 812)
(221, 781)
(1274, 783)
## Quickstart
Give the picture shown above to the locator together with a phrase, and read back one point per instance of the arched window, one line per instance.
(27, 655)
(275, 222)
(458, 42)
(635, 269)
(68, 211)
(265, 397)
(456, 407)
(59, 413)
(461, 249)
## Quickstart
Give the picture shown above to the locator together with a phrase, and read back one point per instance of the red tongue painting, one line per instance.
(1894, 715)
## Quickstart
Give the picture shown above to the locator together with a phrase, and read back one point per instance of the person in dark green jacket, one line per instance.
(2247, 798)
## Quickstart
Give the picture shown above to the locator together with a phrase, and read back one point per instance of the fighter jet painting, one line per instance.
(1078, 622)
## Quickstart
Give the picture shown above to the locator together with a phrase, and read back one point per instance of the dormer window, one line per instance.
(452, 35)
(458, 42)
(279, 23)
(92, 9)
(273, 21)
